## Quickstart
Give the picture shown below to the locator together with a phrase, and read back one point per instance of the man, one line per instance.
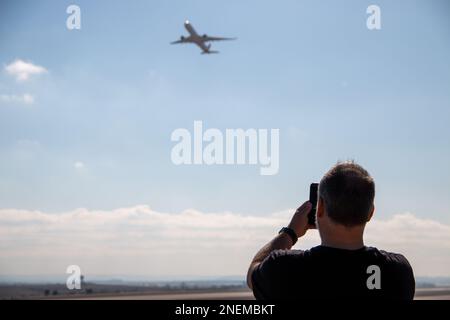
(342, 266)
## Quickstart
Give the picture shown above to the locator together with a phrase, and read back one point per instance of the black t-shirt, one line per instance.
(330, 273)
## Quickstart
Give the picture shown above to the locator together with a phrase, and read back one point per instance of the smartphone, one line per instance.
(313, 190)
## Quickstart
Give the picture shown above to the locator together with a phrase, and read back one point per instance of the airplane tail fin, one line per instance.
(208, 51)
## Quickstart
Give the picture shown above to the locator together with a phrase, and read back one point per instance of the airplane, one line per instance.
(199, 40)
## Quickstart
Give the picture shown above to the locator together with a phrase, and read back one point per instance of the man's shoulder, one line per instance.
(279, 263)
(394, 264)
(288, 257)
(285, 254)
(398, 275)
(387, 256)
(389, 259)
(394, 259)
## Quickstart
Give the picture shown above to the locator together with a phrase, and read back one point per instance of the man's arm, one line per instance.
(299, 223)
(281, 241)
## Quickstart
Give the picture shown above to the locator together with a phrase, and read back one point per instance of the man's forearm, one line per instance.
(299, 224)
(281, 241)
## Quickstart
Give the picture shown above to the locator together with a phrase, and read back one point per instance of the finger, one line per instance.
(304, 208)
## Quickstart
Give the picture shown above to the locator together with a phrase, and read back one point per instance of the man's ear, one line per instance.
(320, 211)
(371, 213)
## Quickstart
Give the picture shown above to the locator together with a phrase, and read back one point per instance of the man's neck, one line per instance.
(343, 245)
(343, 238)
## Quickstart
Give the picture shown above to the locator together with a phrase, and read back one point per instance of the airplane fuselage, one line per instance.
(194, 37)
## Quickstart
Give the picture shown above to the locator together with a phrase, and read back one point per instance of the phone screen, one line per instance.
(313, 190)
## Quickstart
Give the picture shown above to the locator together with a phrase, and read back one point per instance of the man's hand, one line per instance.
(299, 222)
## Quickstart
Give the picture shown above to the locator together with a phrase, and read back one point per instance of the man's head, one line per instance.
(346, 195)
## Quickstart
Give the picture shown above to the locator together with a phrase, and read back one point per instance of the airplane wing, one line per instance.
(208, 38)
(182, 39)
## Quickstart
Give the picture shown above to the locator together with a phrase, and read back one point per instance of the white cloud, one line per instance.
(78, 165)
(21, 99)
(141, 241)
(22, 70)
(28, 98)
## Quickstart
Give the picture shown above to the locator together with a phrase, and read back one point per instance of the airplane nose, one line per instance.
(186, 22)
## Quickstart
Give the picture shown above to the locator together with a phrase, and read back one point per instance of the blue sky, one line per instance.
(116, 89)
